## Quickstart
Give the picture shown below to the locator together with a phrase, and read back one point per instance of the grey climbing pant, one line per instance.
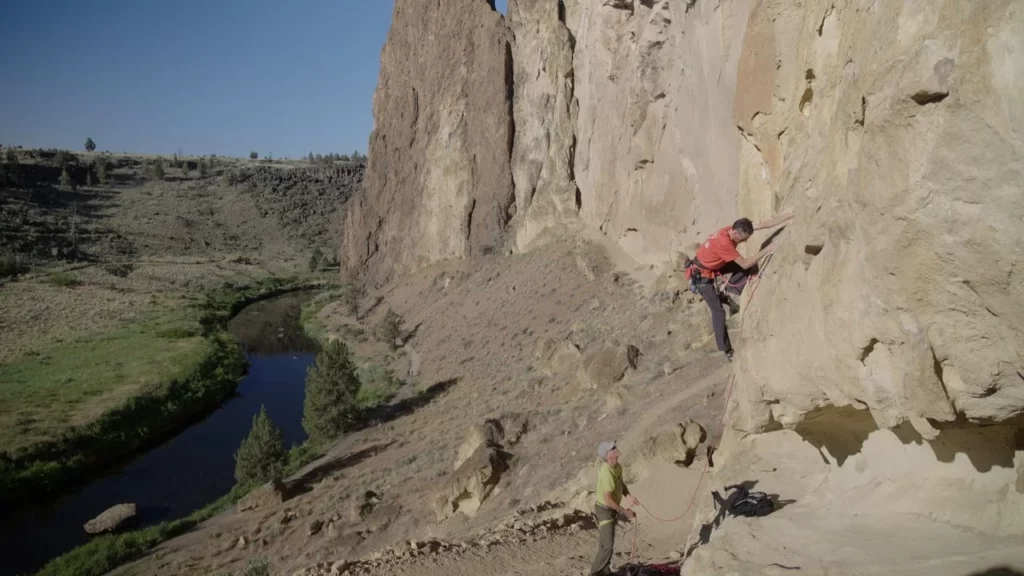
(606, 518)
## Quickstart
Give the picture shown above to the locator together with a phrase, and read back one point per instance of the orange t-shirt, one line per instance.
(718, 250)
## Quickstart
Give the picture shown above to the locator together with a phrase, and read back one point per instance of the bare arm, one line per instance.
(773, 222)
(746, 263)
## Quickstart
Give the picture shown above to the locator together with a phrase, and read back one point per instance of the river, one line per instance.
(194, 467)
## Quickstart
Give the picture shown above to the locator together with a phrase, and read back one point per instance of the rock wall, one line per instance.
(880, 374)
(656, 150)
(438, 184)
(615, 115)
(896, 130)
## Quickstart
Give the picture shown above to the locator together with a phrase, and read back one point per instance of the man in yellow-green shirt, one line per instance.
(609, 493)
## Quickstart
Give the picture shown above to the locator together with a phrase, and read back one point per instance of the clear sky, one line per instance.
(223, 77)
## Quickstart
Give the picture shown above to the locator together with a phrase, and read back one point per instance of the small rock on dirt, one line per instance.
(270, 494)
(314, 527)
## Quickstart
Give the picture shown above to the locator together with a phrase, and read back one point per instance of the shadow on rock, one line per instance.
(998, 571)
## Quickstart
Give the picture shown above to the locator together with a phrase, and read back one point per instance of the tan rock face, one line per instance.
(439, 183)
(544, 112)
(896, 132)
(656, 151)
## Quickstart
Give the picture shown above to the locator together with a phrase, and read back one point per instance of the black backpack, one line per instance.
(744, 502)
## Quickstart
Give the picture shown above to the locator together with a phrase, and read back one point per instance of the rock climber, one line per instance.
(718, 256)
(609, 493)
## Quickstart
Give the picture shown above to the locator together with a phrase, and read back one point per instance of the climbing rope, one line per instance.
(728, 394)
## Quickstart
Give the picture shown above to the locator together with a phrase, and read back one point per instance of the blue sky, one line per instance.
(223, 77)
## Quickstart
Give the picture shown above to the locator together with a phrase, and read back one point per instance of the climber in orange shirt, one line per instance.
(718, 256)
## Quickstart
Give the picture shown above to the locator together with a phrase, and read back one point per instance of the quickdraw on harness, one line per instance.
(698, 275)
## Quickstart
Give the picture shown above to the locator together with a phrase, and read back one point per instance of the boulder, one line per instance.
(112, 519)
(494, 432)
(314, 527)
(607, 365)
(472, 482)
(677, 443)
(271, 494)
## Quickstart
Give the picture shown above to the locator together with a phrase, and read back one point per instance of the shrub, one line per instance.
(310, 158)
(158, 170)
(63, 157)
(203, 170)
(10, 265)
(352, 294)
(253, 155)
(100, 165)
(229, 178)
(332, 388)
(258, 566)
(315, 259)
(185, 167)
(390, 328)
(177, 333)
(89, 145)
(12, 156)
(65, 179)
(119, 269)
(261, 457)
(63, 279)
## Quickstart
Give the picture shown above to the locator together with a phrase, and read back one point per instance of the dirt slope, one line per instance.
(488, 346)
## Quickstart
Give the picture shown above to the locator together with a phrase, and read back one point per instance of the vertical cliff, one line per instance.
(439, 182)
(880, 369)
(880, 376)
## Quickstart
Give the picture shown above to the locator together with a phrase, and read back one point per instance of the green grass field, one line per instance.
(73, 383)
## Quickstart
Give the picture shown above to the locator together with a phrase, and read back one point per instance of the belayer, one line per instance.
(718, 256)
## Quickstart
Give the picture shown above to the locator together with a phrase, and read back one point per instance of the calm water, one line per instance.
(193, 468)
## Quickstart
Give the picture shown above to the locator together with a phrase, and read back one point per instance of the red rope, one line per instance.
(696, 489)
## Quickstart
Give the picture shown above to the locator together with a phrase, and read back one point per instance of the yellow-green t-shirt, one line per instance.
(609, 479)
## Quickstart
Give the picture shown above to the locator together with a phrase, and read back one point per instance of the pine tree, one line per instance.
(158, 169)
(65, 179)
(89, 145)
(253, 155)
(310, 158)
(331, 389)
(185, 168)
(261, 457)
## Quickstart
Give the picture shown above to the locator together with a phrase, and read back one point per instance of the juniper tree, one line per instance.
(332, 387)
(389, 329)
(261, 456)
(89, 145)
